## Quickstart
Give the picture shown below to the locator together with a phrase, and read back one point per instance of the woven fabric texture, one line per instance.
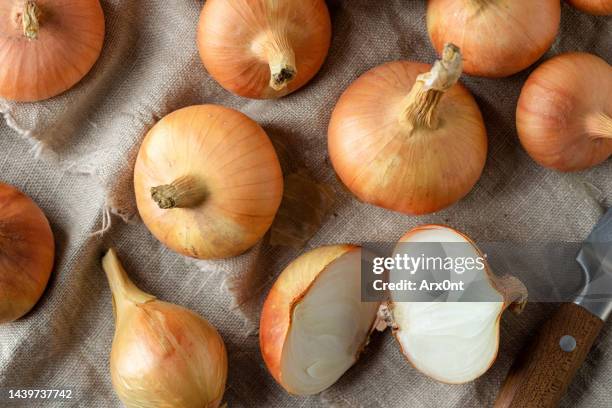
(74, 155)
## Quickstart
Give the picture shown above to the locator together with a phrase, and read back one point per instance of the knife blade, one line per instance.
(544, 369)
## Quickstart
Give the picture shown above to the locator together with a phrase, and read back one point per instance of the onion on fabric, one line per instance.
(47, 46)
(208, 182)
(163, 355)
(596, 7)
(451, 341)
(564, 113)
(263, 48)
(313, 324)
(498, 38)
(27, 250)
(407, 137)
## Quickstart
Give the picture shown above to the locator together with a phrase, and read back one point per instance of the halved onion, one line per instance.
(313, 324)
(457, 341)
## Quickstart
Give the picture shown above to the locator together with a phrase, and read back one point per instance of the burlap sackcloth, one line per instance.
(74, 155)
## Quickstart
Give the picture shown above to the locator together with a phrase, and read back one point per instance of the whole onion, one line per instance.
(497, 37)
(163, 355)
(47, 46)
(26, 253)
(263, 48)
(208, 182)
(405, 136)
(564, 113)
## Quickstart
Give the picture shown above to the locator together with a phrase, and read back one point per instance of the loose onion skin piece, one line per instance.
(452, 342)
(26, 253)
(498, 38)
(564, 113)
(163, 355)
(47, 46)
(596, 7)
(263, 49)
(304, 289)
(398, 145)
(208, 182)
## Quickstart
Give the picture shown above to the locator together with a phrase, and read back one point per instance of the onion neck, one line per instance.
(123, 289)
(30, 19)
(275, 49)
(599, 126)
(184, 192)
(420, 106)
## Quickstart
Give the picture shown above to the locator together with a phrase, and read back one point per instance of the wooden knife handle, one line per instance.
(543, 370)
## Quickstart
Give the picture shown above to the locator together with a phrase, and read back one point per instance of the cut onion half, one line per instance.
(314, 325)
(452, 341)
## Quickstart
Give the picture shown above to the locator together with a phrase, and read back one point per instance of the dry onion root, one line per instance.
(208, 182)
(313, 324)
(46, 46)
(596, 7)
(163, 355)
(263, 48)
(407, 137)
(452, 342)
(498, 38)
(26, 253)
(564, 113)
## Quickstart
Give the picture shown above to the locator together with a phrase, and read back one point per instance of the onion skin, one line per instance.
(26, 253)
(236, 171)
(241, 42)
(564, 113)
(163, 355)
(596, 7)
(61, 48)
(498, 38)
(288, 289)
(389, 164)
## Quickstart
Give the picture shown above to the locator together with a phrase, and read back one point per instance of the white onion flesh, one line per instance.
(329, 327)
(452, 342)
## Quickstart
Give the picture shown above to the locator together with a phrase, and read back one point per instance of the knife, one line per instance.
(544, 369)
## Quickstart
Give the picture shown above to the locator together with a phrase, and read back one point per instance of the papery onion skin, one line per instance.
(288, 289)
(240, 41)
(27, 250)
(60, 52)
(564, 112)
(596, 7)
(385, 163)
(231, 159)
(163, 355)
(498, 38)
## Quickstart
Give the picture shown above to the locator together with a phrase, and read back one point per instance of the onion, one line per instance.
(263, 48)
(564, 113)
(313, 324)
(497, 38)
(452, 342)
(26, 253)
(407, 139)
(47, 46)
(163, 355)
(597, 7)
(208, 182)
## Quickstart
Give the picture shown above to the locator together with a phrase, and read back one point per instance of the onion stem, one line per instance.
(184, 192)
(599, 125)
(514, 292)
(420, 105)
(122, 288)
(279, 54)
(30, 19)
